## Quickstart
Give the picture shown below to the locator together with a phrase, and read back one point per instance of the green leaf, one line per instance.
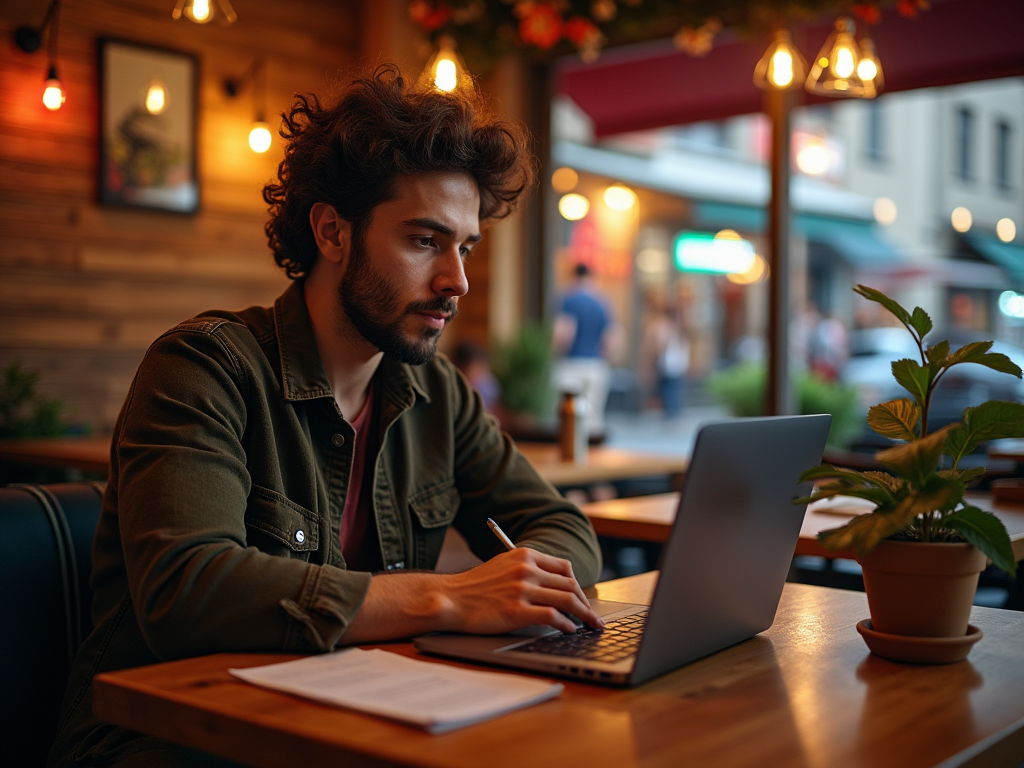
(896, 419)
(920, 322)
(964, 474)
(827, 470)
(978, 352)
(877, 296)
(885, 480)
(937, 357)
(876, 495)
(913, 377)
(992, 420)
(915, 461)
(865, 531)
(987, 532)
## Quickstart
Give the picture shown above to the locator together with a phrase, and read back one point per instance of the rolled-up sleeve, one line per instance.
(182, 489)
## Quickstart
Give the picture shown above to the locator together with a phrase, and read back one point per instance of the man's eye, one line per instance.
(425, 242)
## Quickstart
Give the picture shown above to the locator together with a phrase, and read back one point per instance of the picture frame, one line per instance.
(148, 127)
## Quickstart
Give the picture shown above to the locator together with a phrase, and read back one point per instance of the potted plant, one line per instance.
(923, 547)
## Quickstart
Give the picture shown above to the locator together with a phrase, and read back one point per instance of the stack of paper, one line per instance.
(434, 696)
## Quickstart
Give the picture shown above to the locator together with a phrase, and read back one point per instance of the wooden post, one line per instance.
(778, 394)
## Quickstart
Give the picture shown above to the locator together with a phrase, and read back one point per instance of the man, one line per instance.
(276, 472)
(585, 335)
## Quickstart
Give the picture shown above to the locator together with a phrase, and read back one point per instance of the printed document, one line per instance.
(433, 696)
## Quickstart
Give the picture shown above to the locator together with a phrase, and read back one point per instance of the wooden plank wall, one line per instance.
(84, 289)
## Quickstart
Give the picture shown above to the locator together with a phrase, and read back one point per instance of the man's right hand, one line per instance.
(516, 589)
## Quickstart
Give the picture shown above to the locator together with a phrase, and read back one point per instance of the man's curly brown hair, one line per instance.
(350, 152)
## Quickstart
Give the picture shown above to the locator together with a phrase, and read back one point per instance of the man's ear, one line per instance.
(333, 234)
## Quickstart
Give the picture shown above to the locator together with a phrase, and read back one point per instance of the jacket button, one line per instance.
(338, 440)
(300, 536)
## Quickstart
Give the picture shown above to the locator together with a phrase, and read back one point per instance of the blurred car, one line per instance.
(869, 371)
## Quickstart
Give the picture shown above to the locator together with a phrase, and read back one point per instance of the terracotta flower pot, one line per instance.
(923, 590)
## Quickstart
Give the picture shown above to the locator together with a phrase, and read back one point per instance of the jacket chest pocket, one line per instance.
(279, 526)
(433, 510)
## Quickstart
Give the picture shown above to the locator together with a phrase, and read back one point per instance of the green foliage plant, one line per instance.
(741, 388)
(916, 500)
(522, 366)
(23, 411)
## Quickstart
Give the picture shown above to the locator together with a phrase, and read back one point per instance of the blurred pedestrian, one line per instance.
(585, 336)
(474, 362)
(666, 350)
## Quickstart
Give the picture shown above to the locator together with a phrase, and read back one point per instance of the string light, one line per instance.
(835, 69)
(619, 197)
(445, 71)
(782, 66)
(573, 207)
(205, 11)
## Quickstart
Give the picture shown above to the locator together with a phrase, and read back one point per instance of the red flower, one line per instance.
(429, 14)
(869, 13)
(541, 26)
(580, 30)
(910, 8)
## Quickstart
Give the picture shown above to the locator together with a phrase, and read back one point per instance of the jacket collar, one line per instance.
(302, 371)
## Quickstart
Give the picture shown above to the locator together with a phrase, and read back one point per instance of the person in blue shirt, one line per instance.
(585, 336)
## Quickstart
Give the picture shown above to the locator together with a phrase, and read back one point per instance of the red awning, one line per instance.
(956, 41)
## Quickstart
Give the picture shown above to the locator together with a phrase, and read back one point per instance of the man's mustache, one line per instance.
(446, 304)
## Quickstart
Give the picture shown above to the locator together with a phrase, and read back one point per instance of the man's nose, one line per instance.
(450, 279)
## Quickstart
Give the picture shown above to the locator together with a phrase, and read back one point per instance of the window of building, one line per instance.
(874, 132)
(1004, 134)
(964, 143)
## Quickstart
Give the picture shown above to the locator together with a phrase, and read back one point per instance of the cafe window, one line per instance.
(1004, 136)
(964, 143)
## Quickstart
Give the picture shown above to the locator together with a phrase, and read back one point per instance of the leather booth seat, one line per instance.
(46, 536)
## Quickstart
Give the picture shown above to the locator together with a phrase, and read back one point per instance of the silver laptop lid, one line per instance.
(725, 563)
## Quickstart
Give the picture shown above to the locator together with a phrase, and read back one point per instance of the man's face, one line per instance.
(406, 266)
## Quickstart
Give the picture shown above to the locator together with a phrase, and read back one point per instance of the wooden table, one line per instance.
(806, 693)
(649, 518)
(89, 454)
(603, 465)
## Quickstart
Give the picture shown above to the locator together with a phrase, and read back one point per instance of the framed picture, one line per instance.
(148, 116)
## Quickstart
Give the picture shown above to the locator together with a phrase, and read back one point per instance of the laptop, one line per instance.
(722, 569)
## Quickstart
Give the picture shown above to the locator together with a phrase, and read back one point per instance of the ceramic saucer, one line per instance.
(922, 650)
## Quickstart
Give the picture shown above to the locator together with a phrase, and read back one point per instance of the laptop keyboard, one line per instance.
(619, 639)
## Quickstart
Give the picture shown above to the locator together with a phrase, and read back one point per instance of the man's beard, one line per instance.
(371, 303)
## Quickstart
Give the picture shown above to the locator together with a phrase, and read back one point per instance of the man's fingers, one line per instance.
(566, 602)
(568, 583)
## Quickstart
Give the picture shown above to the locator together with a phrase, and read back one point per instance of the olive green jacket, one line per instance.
(221, 517)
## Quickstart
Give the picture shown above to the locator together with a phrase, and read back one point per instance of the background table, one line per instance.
(650, 518)
(804, 693)
(604, 465)
(88, 454)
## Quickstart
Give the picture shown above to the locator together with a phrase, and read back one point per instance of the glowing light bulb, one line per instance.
(885, 211)
(782, 68)
(260, 138)
(156, 98)
(844, 65)
(781, 65)
(813, 158)
(564, 180)
(573, 207)
(445, 77)
(201, 10)
(53, 94)
(1006, 230)
(619, 198)
(961, 219)
(867, 69)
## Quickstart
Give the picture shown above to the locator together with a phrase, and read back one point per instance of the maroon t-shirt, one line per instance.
(359, 543)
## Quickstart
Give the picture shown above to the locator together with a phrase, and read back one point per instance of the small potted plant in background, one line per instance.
(923, 546)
